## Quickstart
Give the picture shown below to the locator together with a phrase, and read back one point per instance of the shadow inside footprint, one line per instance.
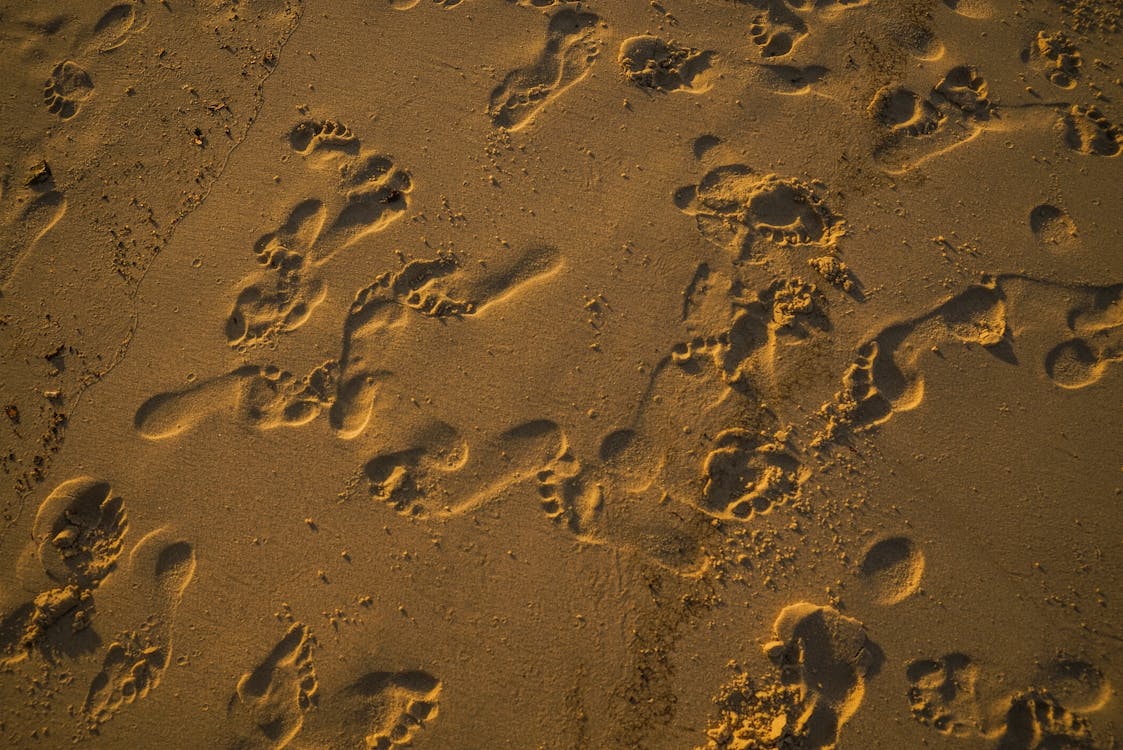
(137, 658)
(572, 45)
(277, 693)
(829, 657)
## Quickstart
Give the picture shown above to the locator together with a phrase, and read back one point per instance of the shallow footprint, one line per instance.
(572, 44)
(68, 86)
(277, 693)
(1087, 131)
(160, 570)
(1035, 720)
(378, 711)
(789, 80)
(1052, 226)
(892, 569)
(744, 211)
(263, 397)
(943, 693)
(116, 27)
(414, 481)
(1096, 343)
(1076, 684)
(653, 63)
(38, 217)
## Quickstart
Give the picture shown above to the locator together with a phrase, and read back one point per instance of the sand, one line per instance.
(474, 374)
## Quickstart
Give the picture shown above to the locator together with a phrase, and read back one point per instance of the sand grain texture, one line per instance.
(717, 374)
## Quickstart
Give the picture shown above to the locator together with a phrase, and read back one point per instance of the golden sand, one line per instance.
(476, 374)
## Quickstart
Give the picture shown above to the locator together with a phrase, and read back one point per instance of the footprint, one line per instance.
(411, 481)
(776, 37)
(828, 658)
(884, 379)
(1052, 226)
(116, 27)
(277, 693)
(572, 44)
(374, 316)
(749, 334)
(310, 136)
(542, 5)
(943, 694)
(1057, 58)
(433, 289)
(653, 63)
(378, 711)
(918, 128)
(136, 660)
(892, 569)
(68, 86)
(42, 214)
(516, 455)
(24, 627)
(78, 532)
(974, 9)
(919, 41)
(738, 209)
(263, 397)
(1097, 341)
(616, 500)
(966, 90)
(789, 80)
(1073, 365)
(903, 111)
(1076, 684)
(370, 193)
(76, 541)
(1034, 720)
(280, 297)
(745, 475)
(31, 211)
(1088, 131)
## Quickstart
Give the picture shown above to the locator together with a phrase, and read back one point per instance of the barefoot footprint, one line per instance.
(1097, 341)
(828, 657)
(160, 569)
(421, 290)
(378, 711)
(885, 380)
(572, 44)
(740, 209)
(277, 693)
(918, 128)
(945, 694)
(651, 62)
(263, 397)
(68, 86)
(76, 542)
(1088, 131)
(370, 192)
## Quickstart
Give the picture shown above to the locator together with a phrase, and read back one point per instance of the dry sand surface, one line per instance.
(478, 374)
